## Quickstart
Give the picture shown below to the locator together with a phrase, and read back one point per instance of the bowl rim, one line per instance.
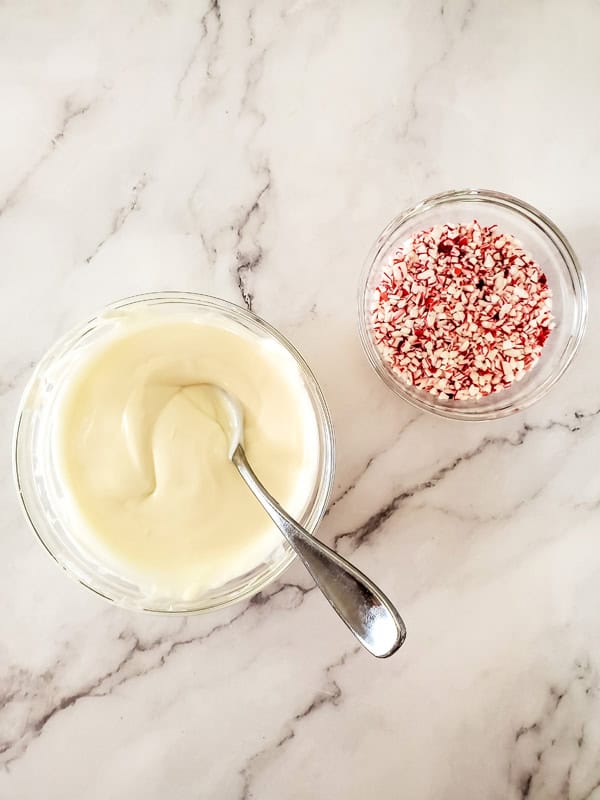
(71, 336)
(549, 229)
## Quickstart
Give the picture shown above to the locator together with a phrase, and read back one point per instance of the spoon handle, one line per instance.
(361, 605)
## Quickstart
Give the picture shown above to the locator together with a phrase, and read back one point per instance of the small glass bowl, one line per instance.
(542, 240)
(37, 477)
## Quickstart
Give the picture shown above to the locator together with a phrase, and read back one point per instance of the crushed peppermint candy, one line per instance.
(461, 311)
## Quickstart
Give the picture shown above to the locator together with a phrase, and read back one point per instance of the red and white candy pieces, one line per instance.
(461, 311)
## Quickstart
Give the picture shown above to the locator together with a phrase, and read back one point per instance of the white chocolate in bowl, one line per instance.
(143, 461)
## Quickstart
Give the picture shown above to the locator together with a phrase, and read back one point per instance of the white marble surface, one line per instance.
(254, 151)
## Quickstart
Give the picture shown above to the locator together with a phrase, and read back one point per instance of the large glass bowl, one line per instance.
(38, 481)
(542, 240)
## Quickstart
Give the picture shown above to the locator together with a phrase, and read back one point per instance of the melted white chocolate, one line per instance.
(144, 462)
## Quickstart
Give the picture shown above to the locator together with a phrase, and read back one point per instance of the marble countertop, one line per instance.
(254, 152)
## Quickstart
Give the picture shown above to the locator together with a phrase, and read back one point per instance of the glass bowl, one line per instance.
(542, 240)
(36, 471)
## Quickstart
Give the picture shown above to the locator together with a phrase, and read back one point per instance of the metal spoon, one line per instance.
(362, 606)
